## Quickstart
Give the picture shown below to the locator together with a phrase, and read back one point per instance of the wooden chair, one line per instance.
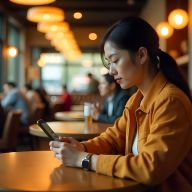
(37, 114)
(10, 131)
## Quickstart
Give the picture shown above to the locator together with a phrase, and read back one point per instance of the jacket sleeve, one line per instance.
(9, 100)
(112, 141)
(166, 147)
(103, 117)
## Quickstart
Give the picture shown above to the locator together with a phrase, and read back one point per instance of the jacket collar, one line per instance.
(157, 85)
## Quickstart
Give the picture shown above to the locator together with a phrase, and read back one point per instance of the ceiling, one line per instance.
(98, 15)
(95, 12)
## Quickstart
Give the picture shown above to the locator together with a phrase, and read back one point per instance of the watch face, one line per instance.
(85, 164)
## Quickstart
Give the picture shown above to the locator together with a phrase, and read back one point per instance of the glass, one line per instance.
(87, 116)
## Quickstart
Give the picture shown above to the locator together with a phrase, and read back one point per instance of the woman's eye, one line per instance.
(115, 61)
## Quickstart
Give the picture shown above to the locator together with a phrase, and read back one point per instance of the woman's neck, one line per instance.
(147, 81)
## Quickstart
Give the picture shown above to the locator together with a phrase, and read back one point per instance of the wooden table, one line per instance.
(40, 171)
(66, 129)
(69, 116)
(71, 129)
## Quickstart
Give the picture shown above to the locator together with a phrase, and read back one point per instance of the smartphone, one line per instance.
(48, 131)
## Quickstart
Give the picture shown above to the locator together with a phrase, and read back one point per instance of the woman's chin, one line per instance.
(125, 86)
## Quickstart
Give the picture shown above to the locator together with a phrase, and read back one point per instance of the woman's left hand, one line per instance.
(69, 151)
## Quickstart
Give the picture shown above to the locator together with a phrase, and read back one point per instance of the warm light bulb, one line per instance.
(77, 15)
(178, 18)
(46, 16)
(92, 36)
(164, 30)
(12, 51)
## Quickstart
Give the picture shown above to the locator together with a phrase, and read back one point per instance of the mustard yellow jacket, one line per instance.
(164, 122)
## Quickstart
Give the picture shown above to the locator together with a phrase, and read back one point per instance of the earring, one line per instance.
(158, 63)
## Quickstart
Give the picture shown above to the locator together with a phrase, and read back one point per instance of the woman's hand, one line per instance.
(69, 151)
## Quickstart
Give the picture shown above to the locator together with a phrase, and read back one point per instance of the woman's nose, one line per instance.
(112, 70)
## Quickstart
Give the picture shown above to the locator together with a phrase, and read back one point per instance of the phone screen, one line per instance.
(49, 132)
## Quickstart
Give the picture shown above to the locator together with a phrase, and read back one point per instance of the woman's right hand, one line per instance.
(69, 151)
(72, 141)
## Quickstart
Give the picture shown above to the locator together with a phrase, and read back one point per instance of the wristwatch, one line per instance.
(86, 162)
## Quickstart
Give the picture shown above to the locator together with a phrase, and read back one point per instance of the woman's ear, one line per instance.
(142, 55)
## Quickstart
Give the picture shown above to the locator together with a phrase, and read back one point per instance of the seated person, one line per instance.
(14, 100)
(44, 100)
(32, 96)
(92, 85)
(66, 99)
(115, 101)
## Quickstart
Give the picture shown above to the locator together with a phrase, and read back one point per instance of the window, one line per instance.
(13, 68)
(73, 73)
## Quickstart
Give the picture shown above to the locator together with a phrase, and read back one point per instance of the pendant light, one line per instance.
(178, 18)
(32, 2)
(164, 30)
(45, 14)
(53, 27)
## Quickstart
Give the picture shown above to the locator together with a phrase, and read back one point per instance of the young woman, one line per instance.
(151, 142)
(115, 100)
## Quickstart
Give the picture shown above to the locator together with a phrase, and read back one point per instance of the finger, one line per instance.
(58, 156)
(56, 150)
(56, 144)
(61, 148)
(70, 140)
(65, 139)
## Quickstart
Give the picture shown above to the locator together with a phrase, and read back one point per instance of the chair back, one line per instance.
(10, 131)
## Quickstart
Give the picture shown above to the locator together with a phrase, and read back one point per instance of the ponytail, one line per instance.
(171, 71)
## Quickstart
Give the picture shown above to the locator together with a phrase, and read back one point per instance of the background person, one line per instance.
(92, 84)
(33, 96)
(66, 99)
(115, 100)
(16, 101)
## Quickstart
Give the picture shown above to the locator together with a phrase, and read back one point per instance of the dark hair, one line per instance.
(64, 86)
(11, 84)
(90, 75)
(110, 79)
(42, 94)
(132, 33)
(28, 86)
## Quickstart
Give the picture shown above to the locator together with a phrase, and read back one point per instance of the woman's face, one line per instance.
(105, 88)
(127, 69)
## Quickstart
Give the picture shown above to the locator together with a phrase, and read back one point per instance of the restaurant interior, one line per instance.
(50, 56)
